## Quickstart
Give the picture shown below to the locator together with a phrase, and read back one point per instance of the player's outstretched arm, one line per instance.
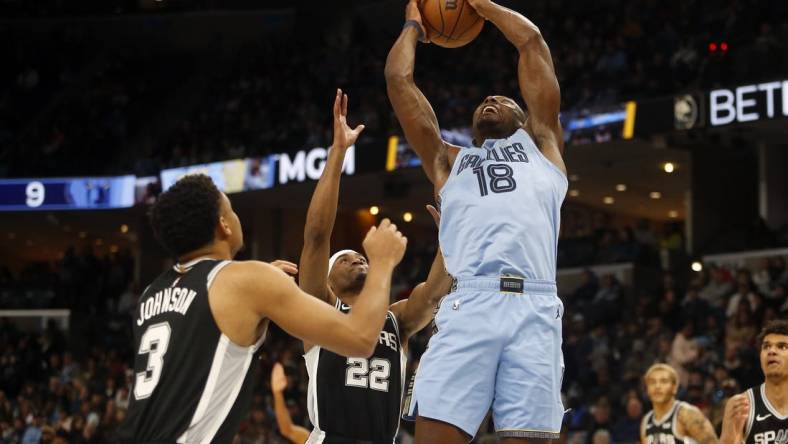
(296, 434)
(697, 426)
(322, 210)
(737, 411)
(416, 312)
(414, 112)
(269, 293)
(536, 75)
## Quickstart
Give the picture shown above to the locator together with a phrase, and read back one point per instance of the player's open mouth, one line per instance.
(489, 109)
(772, 361)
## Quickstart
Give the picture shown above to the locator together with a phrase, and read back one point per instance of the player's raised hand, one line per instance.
(278, 378)
(412, 12)
(344, 136)
(385, 243)
(286, 266)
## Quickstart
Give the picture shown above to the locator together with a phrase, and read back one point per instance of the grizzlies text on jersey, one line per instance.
(500, 211)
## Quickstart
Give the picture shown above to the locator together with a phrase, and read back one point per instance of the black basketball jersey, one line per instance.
(191, 383)
(764, 424)
(357, 399)
(665, 430)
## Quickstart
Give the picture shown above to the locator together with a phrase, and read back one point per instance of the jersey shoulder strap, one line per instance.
(751, 415)
(679, 406)
(645, 422)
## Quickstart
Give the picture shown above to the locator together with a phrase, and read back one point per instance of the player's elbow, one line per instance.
(367, 344)
(359, 349)
(397, 76)
(315, 235)
(285, 429)
(356, 342)
(362, 344)
(529, 39)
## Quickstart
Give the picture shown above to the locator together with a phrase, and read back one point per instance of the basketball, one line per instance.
(450, 23)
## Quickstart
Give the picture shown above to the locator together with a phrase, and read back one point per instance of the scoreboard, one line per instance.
(88, 193)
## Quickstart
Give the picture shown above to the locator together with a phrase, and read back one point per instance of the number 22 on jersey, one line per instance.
(365, 373)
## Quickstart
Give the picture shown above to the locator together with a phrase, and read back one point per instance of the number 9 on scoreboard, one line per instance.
(35, 193)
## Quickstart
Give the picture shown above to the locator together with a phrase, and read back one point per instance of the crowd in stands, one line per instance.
(276, 95)
(76, 112)
(80, 280)
(73, 386)
(86, 281)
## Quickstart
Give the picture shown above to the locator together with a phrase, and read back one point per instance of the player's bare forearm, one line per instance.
(283, 419)
(438, 281)
(320, 218)
(273, 295)
(323, 207)
(322, 210)
(294, 433)
(270, 293)
(698, 426)
(402, 57)
(417, 311)
(413, 110)
(373, 300)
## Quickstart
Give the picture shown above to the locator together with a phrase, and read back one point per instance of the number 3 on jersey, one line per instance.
(153, 343)
(378, 378)
(501, 180)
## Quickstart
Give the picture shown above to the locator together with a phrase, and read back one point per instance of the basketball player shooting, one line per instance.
(672, 421)
(760, 415)
(340, 383)
(201, 323)
(499, 332)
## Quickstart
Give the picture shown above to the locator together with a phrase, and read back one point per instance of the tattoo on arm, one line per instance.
(698, 427)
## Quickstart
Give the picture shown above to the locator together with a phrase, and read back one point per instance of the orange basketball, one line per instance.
(450, 23)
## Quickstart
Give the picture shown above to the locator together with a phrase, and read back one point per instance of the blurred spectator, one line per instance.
(683, 352)
(743, 293)
(599, 421)
(627, 428)
(693, 308)
(717, 288)
(601, 436)
(741, 329)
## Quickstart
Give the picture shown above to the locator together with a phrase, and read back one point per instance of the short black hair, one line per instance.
(185, 216)
(778, 327)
